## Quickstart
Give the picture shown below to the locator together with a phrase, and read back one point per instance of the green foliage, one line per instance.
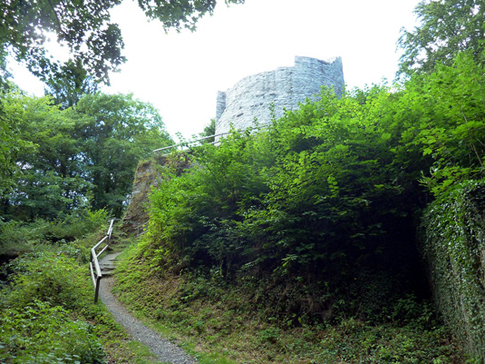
(86, 29)
(10, 145)
(314, 193)
(70, 85)
(49, 277)
(40, 333)
(44, 306)
(116, 132)
(331, 188)
(453, 242)
(447, 124)
(215, 193)
(83, 157)
(446, 28)
(16, 234)
(243, 323)
(49, 181)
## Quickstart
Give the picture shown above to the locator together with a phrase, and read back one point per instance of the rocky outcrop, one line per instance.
(149, 175)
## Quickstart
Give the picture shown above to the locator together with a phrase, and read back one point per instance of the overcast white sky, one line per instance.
(180, 74)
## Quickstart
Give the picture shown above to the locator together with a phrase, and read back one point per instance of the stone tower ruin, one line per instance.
(284, 87)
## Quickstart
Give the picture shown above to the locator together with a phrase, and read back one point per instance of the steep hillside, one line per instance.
(313, 221)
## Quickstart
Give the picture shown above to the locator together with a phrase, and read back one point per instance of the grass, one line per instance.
(226, 324)
(125, 351)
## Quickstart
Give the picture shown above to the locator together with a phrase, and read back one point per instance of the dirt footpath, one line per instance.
(166, 351)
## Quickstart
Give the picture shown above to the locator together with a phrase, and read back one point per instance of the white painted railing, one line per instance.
(96, 273)
(187, 144)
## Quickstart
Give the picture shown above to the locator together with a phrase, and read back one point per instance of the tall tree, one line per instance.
(49, 180)
(81, 157)
(447, 28)
(10, 145)
(116, 132)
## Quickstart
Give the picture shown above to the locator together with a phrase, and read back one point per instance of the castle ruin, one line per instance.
(251, 98)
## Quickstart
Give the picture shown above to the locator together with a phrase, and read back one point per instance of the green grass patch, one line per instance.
(222, 323)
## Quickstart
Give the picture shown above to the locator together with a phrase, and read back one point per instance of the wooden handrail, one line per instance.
(94, 267)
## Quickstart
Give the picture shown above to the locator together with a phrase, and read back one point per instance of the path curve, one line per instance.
(166, 351)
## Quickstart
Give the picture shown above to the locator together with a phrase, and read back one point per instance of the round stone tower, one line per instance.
(251, 98)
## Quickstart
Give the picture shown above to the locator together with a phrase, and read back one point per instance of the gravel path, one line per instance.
(166, 351)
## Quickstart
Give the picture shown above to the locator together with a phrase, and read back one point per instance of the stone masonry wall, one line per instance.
(285, 87)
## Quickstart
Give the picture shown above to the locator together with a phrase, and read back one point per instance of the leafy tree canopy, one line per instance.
(70, 86)
(116, 132)
(81, 157)
(447, 27)
(10, 145)
(85, 27)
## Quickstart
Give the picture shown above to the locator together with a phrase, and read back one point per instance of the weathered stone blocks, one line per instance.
(251, 98)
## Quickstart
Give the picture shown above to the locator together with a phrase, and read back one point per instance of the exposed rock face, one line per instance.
(150, 174)
(146, 176)
(251, 98)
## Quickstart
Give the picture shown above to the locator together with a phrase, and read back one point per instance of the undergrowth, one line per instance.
(17, 237)
(232, 320)
(47, 309)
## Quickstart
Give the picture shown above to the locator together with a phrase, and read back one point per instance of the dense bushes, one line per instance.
(325, 201)
(46, 298)
(49, 277)
(315, 197)
(44, 308)
(331, 186)
(40, 333)
(18, 236)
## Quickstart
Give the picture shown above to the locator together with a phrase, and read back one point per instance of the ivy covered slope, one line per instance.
(454, 244)
(315, 218)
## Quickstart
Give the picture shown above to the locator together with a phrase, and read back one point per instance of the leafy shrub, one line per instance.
(49, 277)
(315, 196)
(42, 334)
(18, 237)
(77, 225)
